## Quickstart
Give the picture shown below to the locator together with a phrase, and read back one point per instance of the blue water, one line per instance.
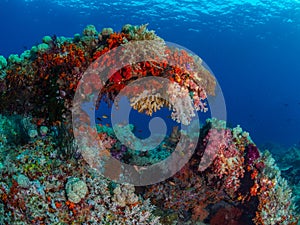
(253, 47)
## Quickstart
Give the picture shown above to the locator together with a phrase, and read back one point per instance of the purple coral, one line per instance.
(118, 154)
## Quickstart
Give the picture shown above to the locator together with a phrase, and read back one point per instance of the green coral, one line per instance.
(105, 129)
(36, 207)
(25, 55)
(90, 30)
(43, 47)
(47, 40)
(14, 58)
(89, 36)
(107, 31)
(140, 33)
(3, 62)
(62, 40)
(77, 37)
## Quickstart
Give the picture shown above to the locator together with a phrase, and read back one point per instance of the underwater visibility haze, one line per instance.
(150, 112)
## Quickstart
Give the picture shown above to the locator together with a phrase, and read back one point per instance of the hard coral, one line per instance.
(76, 189)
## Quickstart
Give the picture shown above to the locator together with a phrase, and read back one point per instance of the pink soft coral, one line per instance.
(226, 159)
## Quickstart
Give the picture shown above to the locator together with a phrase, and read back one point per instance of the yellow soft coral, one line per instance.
(148, 104)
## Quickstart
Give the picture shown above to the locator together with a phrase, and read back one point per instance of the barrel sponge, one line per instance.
(76, 189)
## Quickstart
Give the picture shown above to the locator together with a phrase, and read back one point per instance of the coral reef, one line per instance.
(36, 187)
(45, 180)
(239, 185)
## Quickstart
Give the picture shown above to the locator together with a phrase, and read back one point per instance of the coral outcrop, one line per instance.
(44, 178)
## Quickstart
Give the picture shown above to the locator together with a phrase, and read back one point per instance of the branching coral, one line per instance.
(181, 103)
(148, 103)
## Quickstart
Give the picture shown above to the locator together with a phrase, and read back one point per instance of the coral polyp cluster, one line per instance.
(44, 178)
